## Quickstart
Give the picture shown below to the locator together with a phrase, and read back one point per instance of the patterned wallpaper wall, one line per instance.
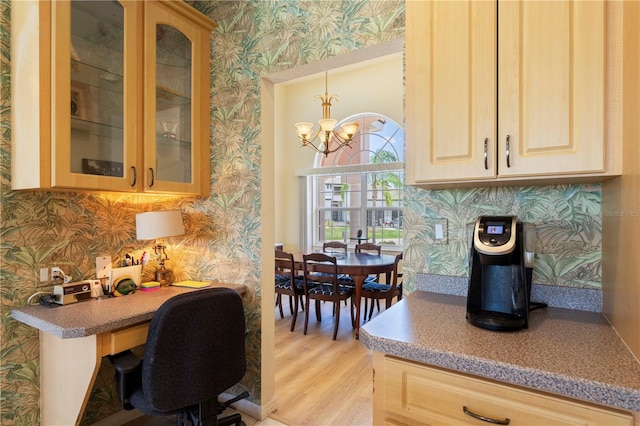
(254, 38)
(568, 227)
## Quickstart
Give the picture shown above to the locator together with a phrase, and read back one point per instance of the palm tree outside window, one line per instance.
(361, 187)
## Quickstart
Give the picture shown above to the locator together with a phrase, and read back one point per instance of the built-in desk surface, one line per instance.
(96, 316)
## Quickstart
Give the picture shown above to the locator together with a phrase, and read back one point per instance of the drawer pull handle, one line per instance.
(153, 177)
(483, 418)
(508, 152)
(486, 164)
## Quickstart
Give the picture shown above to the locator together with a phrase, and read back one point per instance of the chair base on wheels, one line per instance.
(203, 414)
(206, 414)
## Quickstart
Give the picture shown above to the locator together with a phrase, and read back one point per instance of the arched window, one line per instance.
(357, 192)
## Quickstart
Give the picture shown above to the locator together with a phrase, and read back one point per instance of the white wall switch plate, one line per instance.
(440, 231)
(103, 266)
(44, 274)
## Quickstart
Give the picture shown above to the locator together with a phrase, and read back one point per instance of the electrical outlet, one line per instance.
(56, 273)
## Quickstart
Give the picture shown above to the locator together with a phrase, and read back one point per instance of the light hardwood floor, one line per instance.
(318, 381)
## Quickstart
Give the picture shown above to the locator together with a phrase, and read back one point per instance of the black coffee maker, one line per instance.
(500, 269)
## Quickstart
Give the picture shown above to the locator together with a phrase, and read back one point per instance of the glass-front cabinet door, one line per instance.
(110, 95)
(95, 101)
(176, 88)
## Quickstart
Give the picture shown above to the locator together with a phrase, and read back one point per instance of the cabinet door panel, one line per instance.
(451, 90)
(551, 87)
(91, 148)
(176, 148)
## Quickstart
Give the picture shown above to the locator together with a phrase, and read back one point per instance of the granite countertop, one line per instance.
(97, 316)
(567, 352)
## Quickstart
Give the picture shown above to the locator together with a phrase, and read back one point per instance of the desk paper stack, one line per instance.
(192, 284)
(151, 285)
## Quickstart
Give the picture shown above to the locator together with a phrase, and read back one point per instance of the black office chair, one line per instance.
(195, 350)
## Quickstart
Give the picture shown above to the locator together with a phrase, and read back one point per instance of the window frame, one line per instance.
(316, 208)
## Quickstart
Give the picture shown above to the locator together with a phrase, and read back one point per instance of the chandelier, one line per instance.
(326, 131)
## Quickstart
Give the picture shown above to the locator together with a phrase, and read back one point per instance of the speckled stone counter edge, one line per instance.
(80, 320)
(69, 332)
(581, 299)
(561, 385)
(621, 397)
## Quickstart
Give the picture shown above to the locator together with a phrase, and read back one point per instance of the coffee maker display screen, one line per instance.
(495, 228)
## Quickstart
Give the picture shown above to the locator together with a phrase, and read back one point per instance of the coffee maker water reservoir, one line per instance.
(500, 270)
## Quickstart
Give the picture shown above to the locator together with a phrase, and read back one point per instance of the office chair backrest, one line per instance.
(195, 348)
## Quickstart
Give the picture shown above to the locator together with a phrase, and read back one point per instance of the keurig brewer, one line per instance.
(501, 265)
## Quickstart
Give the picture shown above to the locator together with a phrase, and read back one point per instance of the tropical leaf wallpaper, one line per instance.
(254, 38)
(568, 229)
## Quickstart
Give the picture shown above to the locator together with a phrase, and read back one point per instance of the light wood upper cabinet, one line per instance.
(176, 107)
(551, 65)
(108, 96)
(450, 90)
(516, 99)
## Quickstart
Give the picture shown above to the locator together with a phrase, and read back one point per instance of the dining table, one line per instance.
(358, 266)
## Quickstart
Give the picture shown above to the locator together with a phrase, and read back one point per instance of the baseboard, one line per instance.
(269, 408)
(246, 407)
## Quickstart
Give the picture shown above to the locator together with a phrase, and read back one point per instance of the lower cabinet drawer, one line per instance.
(126, 338)
(419, 394)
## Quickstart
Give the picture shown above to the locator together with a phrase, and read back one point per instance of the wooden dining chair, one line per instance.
(373, 290)
(324, 286)
(334, 247)
(331, 247)
(287, 283)
(369, 248)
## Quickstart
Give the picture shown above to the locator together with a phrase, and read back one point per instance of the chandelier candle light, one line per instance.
(156, 226)
(326, 131)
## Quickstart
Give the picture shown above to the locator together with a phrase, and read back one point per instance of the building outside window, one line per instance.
(357, 192)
